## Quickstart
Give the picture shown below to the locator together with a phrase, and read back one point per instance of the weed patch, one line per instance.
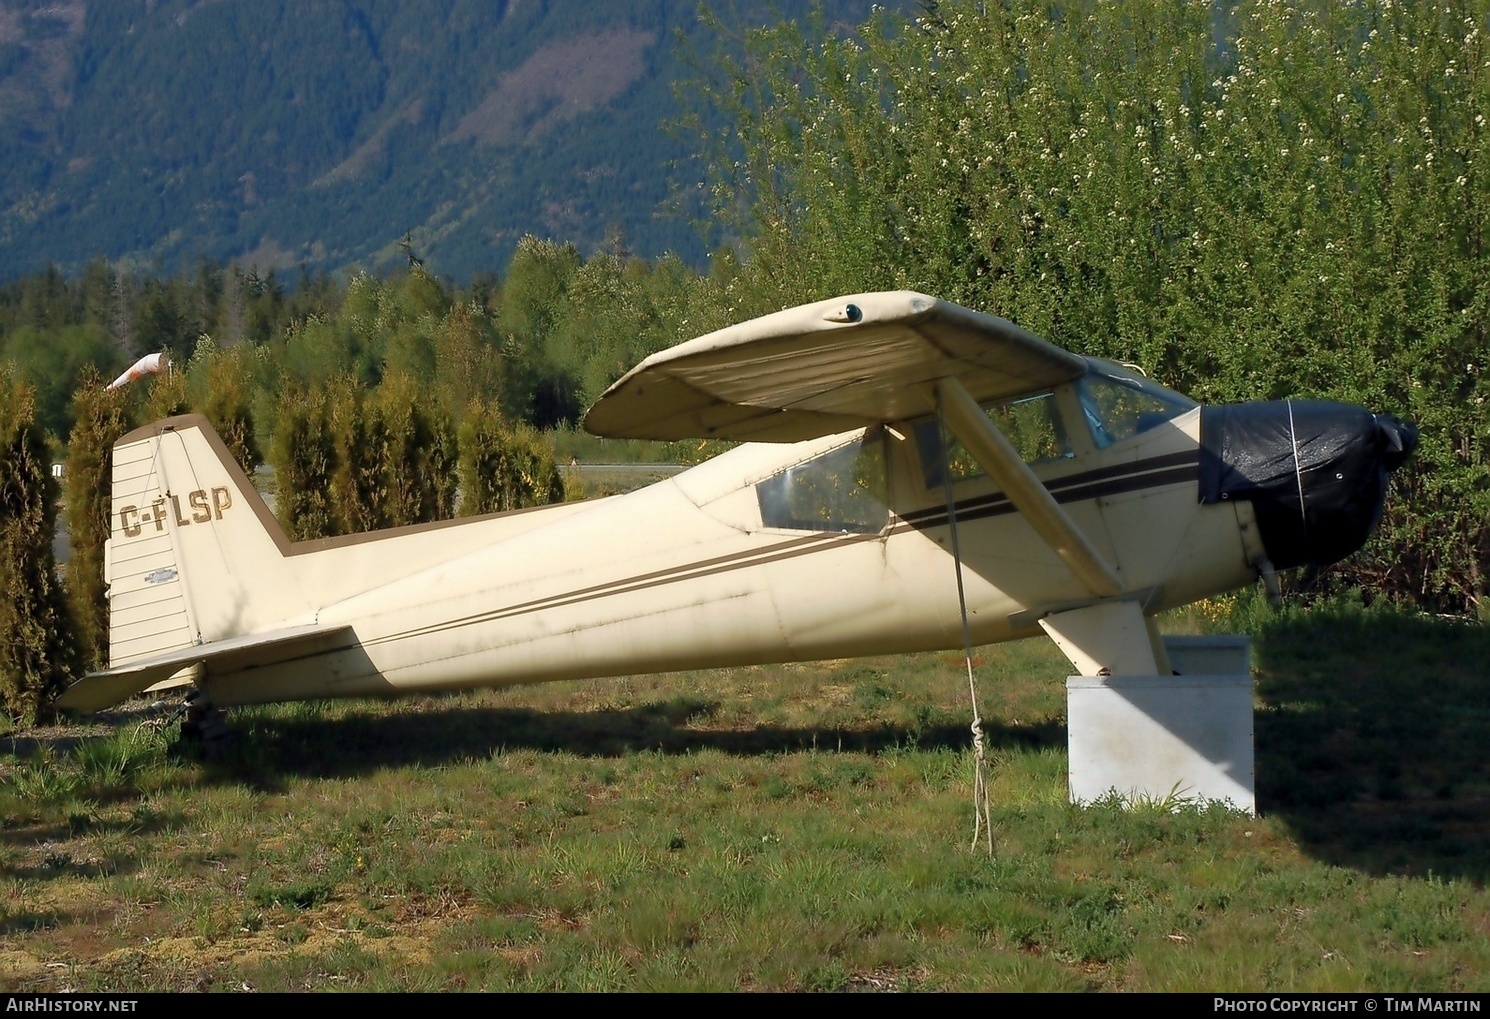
(296, 895)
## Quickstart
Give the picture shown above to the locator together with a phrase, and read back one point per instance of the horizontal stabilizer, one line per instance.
(99, 690)
(825, 368)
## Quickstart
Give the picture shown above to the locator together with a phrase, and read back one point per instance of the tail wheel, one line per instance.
(205, 723)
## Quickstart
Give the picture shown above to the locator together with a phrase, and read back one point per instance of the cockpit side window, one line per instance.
(844, 489)
(1119, 405)
(1032, 425)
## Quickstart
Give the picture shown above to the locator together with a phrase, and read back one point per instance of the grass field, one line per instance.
(798, 827)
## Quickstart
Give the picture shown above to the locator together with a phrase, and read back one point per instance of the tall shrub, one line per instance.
(304, 457)
(420, 453)
(167, 395)
(504, 468)
(99, 420)
(360, 482)
(37, 657)
(228, 403)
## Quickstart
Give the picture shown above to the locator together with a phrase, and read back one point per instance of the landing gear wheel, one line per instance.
(205, 727)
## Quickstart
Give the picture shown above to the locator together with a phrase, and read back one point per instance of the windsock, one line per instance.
(150, 364)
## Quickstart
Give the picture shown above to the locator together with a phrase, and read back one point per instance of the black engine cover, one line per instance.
(1315, 473)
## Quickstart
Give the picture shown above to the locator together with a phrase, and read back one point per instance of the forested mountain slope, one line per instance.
(323, 132)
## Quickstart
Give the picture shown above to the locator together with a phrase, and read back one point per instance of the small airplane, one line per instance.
(907, 465)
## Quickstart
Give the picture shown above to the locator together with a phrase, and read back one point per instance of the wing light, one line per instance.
(848, 313)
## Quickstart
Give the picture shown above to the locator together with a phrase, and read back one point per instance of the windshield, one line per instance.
(1120, 403)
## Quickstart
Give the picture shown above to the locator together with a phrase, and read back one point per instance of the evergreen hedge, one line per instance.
(37, 655)
(502, 467)
(304, 457)
(100, 419)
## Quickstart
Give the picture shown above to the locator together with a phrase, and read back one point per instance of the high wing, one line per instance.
(99, 690)
(827, 367)
(849, 363)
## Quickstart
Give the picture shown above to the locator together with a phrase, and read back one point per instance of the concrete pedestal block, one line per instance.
(1222, 655)
(1177, 739)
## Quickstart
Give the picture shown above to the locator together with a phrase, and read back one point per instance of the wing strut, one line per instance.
(1005, 466)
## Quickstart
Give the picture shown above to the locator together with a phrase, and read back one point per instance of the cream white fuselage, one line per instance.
(684, 574)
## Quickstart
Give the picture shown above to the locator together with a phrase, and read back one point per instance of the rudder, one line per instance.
(194, 554)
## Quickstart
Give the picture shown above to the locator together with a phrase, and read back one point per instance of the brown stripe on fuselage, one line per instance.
(1071, 487)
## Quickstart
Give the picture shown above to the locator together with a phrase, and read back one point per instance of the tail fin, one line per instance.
(203, 581)
(194, 554)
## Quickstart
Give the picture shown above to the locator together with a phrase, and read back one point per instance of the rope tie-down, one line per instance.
(982, 818)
